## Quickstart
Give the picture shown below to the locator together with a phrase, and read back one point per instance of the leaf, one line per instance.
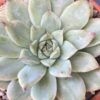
(59, 5)
(36, 9)
(36, 33)
(50, 22)
(48, 62)
(76, 15)
(4, 84)
(9, 68)
(15, 92)
(17, 10)
(46, 89)
(68, 50)
(92, 80)
(79, 38)
(34, 47)
(94, 50)
(41, 55)
(8, 49)
(58, 36)
(72, 88)
(18, 33)
(94, 26)
(83, 62)
(28, 58)
(30, 75)
(55, 54)
(62, 68)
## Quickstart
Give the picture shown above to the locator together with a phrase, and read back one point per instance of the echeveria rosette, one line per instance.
(48, 50)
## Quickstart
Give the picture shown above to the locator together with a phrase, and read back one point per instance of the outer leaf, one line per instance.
(4, 84)
(62, 68)
(28, 58)
(79, 38)
(95, 50)
(18, 33)
(59, 5)
(92, 80)
(94, 26)
(83, 62)
(17, 10)
(36, 9)
(30, 75)
(36, 33)
(58, 36)
(50, 22)
(76, 15)
(71, 88)
(15, 92)
(68, 50)
(9, 68)
(7, 48)
(46, 89)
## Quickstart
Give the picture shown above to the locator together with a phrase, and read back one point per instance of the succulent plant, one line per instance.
(48, 50)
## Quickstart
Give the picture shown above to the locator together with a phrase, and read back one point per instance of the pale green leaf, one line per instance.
(36, 9)
(48, 62)
(55, 44)
(30, 75)
(79, 38)
(50, 22)
(18, 33)
(83, 62)
(62, 68)
(76, 15)
(36, 33)
(34, 47)
(68, 50)
(72, 88)
(92, 80)
(94, 50)
(58, 36)
(55, 54)
(46, 89)
(41, 55)
(8, 49)
(17, 10)
(94, 26)
(46, 36)
(4, 84)
(15, 92)
(9, 68)
(59, 5)
(28, 58)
